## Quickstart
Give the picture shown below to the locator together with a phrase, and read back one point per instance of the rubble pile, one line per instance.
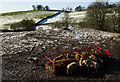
(14, 43)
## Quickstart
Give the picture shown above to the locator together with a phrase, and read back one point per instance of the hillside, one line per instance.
(18, 46)
(6, 19)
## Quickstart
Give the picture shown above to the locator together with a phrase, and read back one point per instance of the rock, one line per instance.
(33, 60)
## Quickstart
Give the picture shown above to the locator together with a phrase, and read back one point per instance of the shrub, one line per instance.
(25, 24)
(65, 21)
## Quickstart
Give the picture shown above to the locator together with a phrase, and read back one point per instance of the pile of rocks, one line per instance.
(13, 43)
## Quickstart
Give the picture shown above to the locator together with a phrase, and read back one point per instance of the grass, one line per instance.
(31, 16)
(7, 24)
(11, 23)
(81, 13)
(34, 16)
(18, 12)
(43, 15)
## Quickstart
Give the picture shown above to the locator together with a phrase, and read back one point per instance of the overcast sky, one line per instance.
(19, 5)
(56, 0)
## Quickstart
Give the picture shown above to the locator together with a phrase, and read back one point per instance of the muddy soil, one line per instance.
(15, 65)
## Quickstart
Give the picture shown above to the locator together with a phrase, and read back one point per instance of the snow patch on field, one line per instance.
(17, 18)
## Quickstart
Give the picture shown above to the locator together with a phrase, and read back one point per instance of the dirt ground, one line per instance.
(15, 66)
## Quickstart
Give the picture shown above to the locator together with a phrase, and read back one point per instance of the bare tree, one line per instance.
(79, 8)
(47, 8)
(66, 20)
(34, 8)
(117, 29)
(39, 7)
(71, 9)
(96, 15)
(118, 11)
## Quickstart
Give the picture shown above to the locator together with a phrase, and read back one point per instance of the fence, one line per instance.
(51, 65)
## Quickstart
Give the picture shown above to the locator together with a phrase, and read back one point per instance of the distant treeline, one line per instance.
(40, 7)
(78, 8)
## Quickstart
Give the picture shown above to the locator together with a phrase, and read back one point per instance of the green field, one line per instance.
(20, 12)
(9, 18)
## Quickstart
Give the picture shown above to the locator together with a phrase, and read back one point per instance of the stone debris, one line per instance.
(33, 59)
(14, 43)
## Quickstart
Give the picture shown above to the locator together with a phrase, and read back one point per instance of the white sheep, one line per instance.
(97, 59)
(72, 67)
(94, 66)
(58, 57)
(89, 64)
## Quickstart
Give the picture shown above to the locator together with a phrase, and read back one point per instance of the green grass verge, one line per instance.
(43, 15)
(11, 23)
(18, 12)
(34, 16)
